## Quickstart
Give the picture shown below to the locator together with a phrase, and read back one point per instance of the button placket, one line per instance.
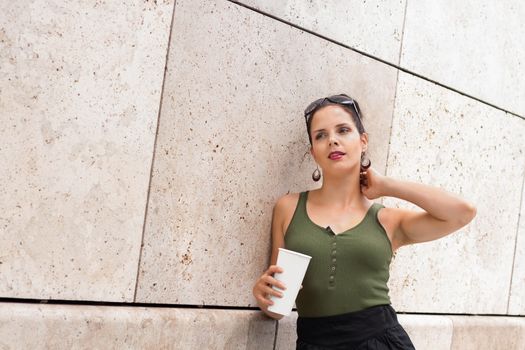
(331, 279)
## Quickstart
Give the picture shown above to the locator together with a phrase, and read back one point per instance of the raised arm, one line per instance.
(443, 212)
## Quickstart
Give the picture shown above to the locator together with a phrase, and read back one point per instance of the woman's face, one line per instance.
(336, 142)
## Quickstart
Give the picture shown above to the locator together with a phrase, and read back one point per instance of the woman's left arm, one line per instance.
(444, 212)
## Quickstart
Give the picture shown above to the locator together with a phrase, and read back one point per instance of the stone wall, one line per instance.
(145, 143)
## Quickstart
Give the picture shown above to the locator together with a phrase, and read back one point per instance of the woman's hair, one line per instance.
(357, 121)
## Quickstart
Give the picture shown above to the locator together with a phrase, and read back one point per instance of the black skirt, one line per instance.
(374, 328)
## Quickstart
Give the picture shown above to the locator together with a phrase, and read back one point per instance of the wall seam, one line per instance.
(154, 149)
(395, 92)
(402, 34)
(391, 127)
(276, 334)
(516, 241)
(199, 306)
(393, 65)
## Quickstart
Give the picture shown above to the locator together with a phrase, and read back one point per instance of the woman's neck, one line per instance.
(341, 192)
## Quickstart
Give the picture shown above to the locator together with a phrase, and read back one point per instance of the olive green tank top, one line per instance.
(348, 271)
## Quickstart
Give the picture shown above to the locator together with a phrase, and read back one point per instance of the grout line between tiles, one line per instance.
(201, 307)
(391, 123)
(516, 241)
(396, 66)
(402, 34)
(395, 92)
(154, 148)
(276, 334)
(391, 127)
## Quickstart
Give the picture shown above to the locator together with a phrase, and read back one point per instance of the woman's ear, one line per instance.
(364, 141)
(312, 152)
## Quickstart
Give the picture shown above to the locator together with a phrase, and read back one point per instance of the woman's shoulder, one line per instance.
(386, 214)
(287, 202)
(285, 208)
(389, 218)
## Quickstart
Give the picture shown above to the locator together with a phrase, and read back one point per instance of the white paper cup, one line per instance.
(294, 267)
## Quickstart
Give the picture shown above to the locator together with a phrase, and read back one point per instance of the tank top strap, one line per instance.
(299, 217)
(300, 211)
(375, 209)
(302, 202)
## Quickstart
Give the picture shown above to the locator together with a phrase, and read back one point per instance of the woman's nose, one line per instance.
(333, 140)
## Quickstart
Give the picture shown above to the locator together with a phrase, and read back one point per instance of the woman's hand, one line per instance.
(263, 287)
(372, 183)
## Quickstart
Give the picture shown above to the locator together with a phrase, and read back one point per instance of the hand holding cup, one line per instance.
(295, 265)
(263, 288)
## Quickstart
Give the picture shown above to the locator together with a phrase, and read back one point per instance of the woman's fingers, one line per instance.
(265, 283)
(262, 300)
(274, 292)
(264, 293)
(268, 276)
(272, 281)
(263, 289)
(274, 269)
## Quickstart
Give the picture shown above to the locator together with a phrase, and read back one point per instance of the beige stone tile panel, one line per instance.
(287, 332)
(471, 46)
(374, 27)
(517, 291)
(40, 326)
(428, 331)
(79, 98)
(485, 332)
(232, 139)
(444, 139)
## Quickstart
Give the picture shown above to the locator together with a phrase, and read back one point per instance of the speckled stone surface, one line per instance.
(431, 332)
(232, 139)
(485, 332)
(39, 326)
(443, 139)
(517, 291)
(79, 98)
(470, 46)
(374, 27)
(287, 332)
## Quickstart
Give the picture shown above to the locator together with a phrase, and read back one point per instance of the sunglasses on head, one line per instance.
(341, 99)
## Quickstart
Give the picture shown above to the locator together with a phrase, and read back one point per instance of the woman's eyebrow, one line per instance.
(338, 125)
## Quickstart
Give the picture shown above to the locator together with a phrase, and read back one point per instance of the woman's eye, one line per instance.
(319, 135)
(344, 130)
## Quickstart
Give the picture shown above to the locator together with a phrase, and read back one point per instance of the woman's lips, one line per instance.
(336, 155)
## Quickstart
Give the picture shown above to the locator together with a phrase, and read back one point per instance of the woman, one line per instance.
(344, 301)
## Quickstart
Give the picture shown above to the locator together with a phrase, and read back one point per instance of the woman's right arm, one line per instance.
(263, 287)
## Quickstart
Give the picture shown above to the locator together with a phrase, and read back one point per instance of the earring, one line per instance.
(365, 162)
(316, 175)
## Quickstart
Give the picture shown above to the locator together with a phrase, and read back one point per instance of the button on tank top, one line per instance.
(348, 271)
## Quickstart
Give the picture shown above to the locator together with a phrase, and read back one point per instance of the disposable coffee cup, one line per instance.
(294, 267)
